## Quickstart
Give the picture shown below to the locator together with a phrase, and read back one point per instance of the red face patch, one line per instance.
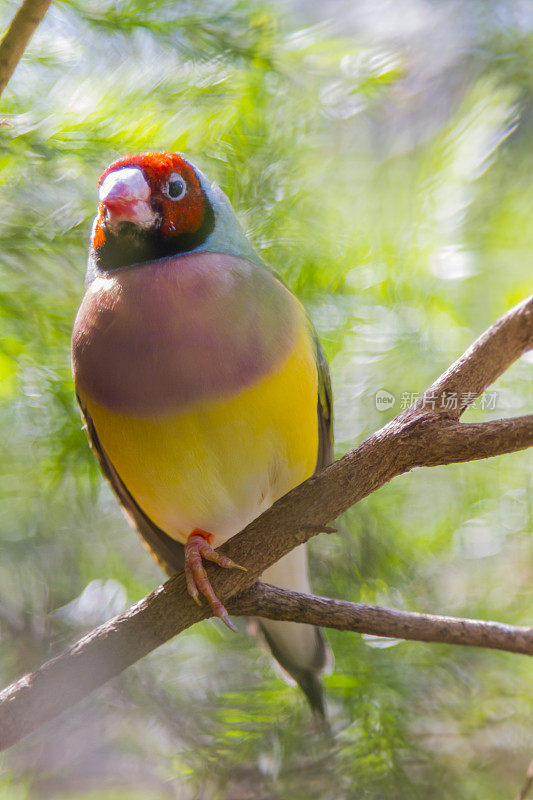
(175, 190)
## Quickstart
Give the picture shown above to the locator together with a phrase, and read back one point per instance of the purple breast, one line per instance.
(156, 338)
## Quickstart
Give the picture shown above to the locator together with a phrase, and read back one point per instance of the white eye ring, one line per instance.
(175, 187)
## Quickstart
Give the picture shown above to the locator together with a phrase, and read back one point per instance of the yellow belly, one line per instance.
(221, 463)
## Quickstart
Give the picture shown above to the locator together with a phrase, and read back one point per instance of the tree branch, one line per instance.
(15, 40)
(423, 435)
(263, 600)
(528, 783)
(490, 356)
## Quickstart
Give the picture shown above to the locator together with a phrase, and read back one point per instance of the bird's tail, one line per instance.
(300, 649)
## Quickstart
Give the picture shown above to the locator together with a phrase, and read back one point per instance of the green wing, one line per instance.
(325, 408)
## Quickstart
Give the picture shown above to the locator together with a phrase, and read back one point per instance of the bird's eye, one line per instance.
(175, 188)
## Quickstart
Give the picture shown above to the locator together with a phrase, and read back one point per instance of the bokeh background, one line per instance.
(379, 155)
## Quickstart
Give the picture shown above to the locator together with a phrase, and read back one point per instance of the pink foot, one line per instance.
(199, 546)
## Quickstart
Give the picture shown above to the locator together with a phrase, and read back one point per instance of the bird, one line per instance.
(203, 386)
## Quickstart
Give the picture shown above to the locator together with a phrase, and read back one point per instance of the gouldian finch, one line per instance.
(203, 386)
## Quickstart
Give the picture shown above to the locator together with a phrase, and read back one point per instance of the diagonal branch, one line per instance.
(423, 435)
(526, 786)
(490, 356)
(15, 40)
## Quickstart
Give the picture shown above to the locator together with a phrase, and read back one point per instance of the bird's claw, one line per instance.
(198, 546)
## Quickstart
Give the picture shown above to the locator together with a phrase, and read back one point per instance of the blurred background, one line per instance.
(379, 155)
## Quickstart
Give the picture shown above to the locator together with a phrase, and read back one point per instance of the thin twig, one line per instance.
(528, 783)
(15, 40)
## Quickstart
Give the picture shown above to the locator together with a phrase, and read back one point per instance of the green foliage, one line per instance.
(395, 199)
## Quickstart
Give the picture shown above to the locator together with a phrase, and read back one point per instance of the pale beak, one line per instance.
(125, 197)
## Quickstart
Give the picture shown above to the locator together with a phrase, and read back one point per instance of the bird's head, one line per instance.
(150, 206)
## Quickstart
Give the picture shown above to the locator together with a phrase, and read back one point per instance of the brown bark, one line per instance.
(426, 434)
(15, 40)
(267, 601)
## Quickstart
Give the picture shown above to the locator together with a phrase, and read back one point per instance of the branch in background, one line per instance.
(426, 434)
(528, 783)
(263, 600)
(15, 40)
